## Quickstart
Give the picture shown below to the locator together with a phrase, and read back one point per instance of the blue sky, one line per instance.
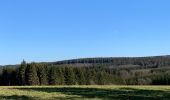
(51, 30)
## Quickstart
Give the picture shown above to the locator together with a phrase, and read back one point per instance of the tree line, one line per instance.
(78, 74)
(153, 61)
(43, 74)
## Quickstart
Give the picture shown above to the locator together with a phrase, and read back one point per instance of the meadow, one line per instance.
(107, 92)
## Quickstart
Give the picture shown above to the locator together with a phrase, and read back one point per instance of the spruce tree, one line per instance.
(53, 76)
(31, 75)
(42, 74)
(21, 73)
(69, 76)
(60, 76)
(80, 78)
(5, 77)
(101, 78)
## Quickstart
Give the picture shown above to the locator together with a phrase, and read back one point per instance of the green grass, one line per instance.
(85, 93)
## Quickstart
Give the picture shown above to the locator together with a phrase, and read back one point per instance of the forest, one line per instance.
(89, 71)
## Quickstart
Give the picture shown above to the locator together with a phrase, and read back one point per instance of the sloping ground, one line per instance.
(85, 93)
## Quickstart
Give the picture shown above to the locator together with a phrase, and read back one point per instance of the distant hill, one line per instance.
(151, 61)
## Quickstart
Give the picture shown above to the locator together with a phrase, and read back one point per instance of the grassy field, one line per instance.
(85, 93)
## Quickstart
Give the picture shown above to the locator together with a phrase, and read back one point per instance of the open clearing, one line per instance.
(85, 92)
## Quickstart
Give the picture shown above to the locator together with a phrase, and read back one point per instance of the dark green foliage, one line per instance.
(80, 76)
(9, 77)
(21, 73)
(101, 78)
(145, 62)
(53, 76)
(56, 76)
(90, 76)
(69, 76)
(42, 74)
(99, 71)
(60, 76)
(5, 77)
(31, 75)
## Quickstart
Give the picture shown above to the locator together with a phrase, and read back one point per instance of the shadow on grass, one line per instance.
(16, 97)
(106, 94)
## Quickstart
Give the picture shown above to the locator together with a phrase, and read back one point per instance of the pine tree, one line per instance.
(9, 76)
(42, 74)
(5, 77)
(101, 78)
(80, 78)
(60, 76)
(21, 73)
(90, 76)
(31, 75)
(69, 76)
(53, 76)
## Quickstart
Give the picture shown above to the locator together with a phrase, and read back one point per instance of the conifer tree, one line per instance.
(31, 75)
(53, 76)
(80, 78)
(60, 76)
(69, 76)
(101, 78)
(42, 74)
(5, 77)
(21, 73)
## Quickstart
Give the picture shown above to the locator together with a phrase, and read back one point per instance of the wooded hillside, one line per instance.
(90, 71)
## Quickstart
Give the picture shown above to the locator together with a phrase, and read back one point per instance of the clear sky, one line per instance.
(51, 30)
